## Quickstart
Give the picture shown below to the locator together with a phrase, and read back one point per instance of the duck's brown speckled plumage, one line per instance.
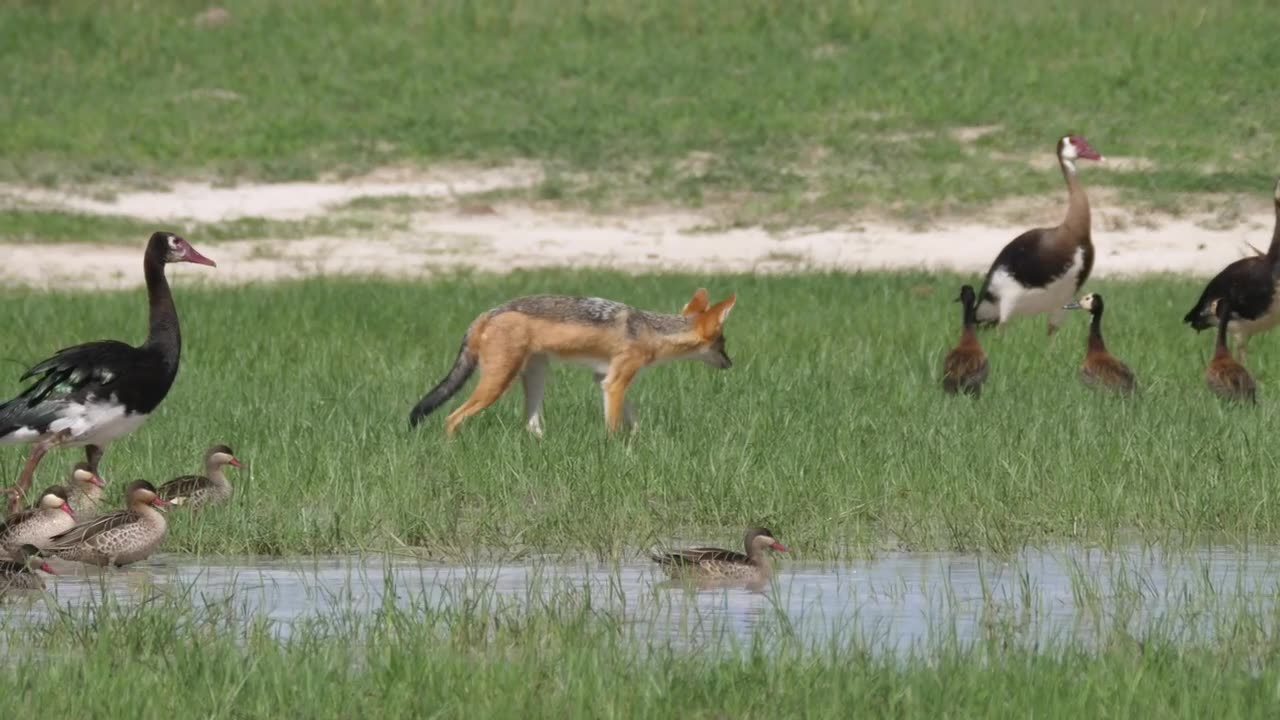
(37, 524)
(19, 573)
(709, 563)
(118, 538)
(195, 491)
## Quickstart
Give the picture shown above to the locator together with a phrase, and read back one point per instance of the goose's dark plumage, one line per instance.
(1250, 284)
(91, 394)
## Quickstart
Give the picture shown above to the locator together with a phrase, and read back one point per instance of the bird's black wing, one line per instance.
(72, 374)
(1247, 283)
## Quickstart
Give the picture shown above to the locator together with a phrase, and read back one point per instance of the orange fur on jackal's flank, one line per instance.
(614, 340)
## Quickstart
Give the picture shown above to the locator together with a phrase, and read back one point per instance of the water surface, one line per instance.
(899, 600)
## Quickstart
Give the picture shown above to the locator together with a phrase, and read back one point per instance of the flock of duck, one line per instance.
(68, 522)
(92, 394)
(1041, 270)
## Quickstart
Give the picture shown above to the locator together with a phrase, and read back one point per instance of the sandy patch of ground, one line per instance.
(510, 236)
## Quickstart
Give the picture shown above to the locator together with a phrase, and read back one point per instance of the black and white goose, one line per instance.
(1250, 284)
(1041, 270)
(89, 395)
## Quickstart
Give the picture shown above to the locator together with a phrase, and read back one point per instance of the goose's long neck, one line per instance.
(1078, 220)
(1273, 252)
(164, 332)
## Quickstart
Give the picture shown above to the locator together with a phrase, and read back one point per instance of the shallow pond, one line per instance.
(896, 600)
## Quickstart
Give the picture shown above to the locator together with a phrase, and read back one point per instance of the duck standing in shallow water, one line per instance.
(1251, 284)
(91, 394)
(1042, 269)
(86, 491)
(965, 367)
(195, 491)
(50, 515)
(1227, 378)
(1101, 369)
(20, 572)
(117, 538)
(716, 564)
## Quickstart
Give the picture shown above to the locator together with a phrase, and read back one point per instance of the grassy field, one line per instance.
(567, 658)
(830, 428)
(787, 109)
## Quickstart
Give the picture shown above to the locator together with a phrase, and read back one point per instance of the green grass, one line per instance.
(177, 656)
(831, 427)
(793, 109)
(52, 226)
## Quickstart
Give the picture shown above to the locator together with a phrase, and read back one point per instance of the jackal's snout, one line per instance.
(717, 357)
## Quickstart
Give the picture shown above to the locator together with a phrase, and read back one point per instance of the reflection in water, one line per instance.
(898, 600)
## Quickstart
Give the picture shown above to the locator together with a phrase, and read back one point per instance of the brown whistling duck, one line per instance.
(50, 515)
(709, 563)
(1101, 369)
(615, 341)
(91, 394)
(19, 573)
(1250, 284)
(86, 491)
(194, 491)
(1042, 269)
(1224, 376)
(965, 367)
(117, 538)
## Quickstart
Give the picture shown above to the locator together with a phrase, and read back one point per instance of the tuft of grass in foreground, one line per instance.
(797, 108)
(831, 427)
(564, 657)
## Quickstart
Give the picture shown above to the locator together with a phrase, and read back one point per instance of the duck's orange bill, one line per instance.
(160, 502)
(45, 567)
(236, 463)
(67, 509)
(779, 547)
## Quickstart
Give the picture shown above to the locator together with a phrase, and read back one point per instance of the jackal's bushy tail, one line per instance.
(449, 386)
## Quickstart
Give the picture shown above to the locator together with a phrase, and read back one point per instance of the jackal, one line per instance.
(612, 339)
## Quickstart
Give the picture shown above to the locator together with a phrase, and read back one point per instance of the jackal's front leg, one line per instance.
(628, 411)
(615, 386)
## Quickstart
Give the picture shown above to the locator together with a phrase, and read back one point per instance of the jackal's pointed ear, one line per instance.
(697, 304)
(720, 311)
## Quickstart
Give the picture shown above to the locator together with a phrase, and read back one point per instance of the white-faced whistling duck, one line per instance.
(1226, 377)
(1101, 369)
(965, 367)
